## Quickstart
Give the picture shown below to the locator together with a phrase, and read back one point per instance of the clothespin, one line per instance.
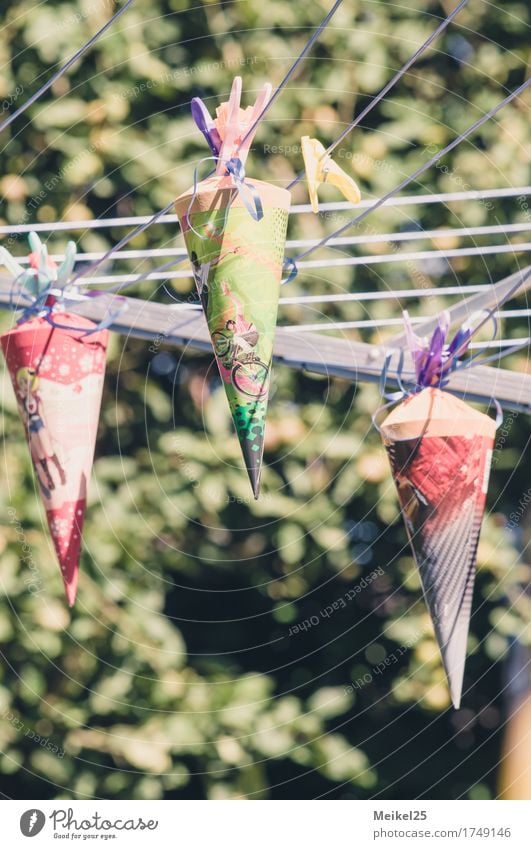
(260, 103)
(233, 123)
(42, 271)
(321, 168)
(67, 266)
(205, 123)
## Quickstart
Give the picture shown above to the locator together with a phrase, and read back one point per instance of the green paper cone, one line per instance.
(237, 264)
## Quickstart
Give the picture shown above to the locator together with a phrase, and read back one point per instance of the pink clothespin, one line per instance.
(233, 123)
(260, 103)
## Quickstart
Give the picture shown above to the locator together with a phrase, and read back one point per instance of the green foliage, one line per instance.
(179, 673)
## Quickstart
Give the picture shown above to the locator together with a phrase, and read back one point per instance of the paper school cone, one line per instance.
(57, 376)
(440, 451)
(237, 264)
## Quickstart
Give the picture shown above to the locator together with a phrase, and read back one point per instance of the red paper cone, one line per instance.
(440, 451)
(57, 376)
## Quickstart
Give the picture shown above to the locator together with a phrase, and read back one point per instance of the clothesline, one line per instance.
(297, 209)
(115, 279)
(390, 322)
(333, 239)
(345, 241)
(415, 255)
(357, 297)
(84, 272)
(185, 326)
(439, 292)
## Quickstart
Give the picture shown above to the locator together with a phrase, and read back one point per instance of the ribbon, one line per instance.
(293, 270)
(248, 194)
(113, 312)
(393, 397)
(219, 231)
(54, 300)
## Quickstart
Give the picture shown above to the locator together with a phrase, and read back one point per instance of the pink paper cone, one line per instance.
(57, 376)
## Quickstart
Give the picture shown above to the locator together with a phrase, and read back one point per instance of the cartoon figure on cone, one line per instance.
(40, 443)
(234, 345)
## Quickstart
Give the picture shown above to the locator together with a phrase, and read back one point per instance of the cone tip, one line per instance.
(455, 693)
(71, 590)
(255, 474)
(256, 487)
(454, 656)
(454, 676)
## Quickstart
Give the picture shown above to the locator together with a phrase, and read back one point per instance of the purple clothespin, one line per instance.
(204, 122)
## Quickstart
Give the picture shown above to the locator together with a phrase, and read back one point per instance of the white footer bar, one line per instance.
(348, 824)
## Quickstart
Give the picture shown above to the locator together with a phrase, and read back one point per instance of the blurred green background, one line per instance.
(175, 676)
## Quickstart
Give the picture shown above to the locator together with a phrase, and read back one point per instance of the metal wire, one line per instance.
(59, 73)
(300, 58)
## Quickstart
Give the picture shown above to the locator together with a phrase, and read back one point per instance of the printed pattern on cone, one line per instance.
(441, 471)
(237, 264)
(57, 376)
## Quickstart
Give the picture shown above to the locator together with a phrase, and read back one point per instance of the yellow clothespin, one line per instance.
(321, 168)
